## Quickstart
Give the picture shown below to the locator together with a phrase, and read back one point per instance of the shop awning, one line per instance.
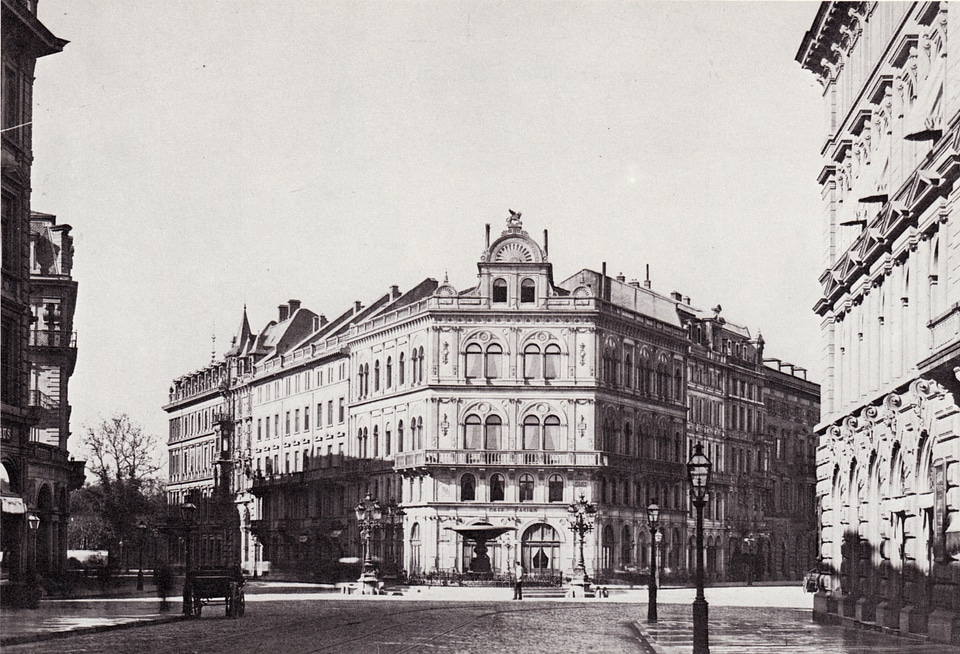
(13, 504)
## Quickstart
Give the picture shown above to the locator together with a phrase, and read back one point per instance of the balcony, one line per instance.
(500, 458)
(53, 338)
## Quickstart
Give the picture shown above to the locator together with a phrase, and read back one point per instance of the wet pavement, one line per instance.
(307, 618)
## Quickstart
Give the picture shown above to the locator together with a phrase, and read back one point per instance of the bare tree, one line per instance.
(120, 451)
(125, 491)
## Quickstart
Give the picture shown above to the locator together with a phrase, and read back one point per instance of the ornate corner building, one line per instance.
(500, 403)
(888, 461)
(38, 342)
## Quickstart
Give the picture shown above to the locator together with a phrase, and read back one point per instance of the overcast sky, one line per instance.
(215, 154)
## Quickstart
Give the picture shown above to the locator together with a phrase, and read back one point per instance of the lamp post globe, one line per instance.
(698, 474)
(653, 519)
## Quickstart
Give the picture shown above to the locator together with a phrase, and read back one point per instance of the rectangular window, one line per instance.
(342, 410)
(306, 418)
(319, 414)
(296, 421)
(276, 424)
(287, 423)
(259, 428)
(329, 412)
(267, 434)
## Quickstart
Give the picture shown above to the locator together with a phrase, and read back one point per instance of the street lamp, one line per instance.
(188, 511)
(369, 514)
(653, 519)
(33, 521)
(582, 515)
(394, 521)
(698, 473)
(141, 529)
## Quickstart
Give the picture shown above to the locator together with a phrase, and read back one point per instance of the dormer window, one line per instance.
(499, 290)
(528, 291)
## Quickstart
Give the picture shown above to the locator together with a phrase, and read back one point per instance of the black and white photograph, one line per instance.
(479, 326)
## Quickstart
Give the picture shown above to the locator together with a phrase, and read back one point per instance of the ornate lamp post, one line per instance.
(653, 519)
(141, 530)
(369, 514)
(394, 522)
(188, 511)
(582, 514)
(698, 473)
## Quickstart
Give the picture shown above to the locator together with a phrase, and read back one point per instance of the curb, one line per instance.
(651, 646)
(51, 635)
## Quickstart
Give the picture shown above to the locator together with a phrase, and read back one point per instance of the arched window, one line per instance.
(626, 547)
(468, 488)
(366, 379)
(540, 549)
(531, 362)
(525, 488)
(494, 360)
(474, 363)
(628, 371)
(376, 440)
(551, 362)
(531, 433)
(551, 433)
(472, 434)
(555, 489)
(499, 290)
(491, 440)
(528, 291)
(496, 488)
(413, 366)
(420, 365)
(400, 436)
(386, 440)
(389, 380)
(400, 370)
(627, 439)
(376, 375)
(419, 433)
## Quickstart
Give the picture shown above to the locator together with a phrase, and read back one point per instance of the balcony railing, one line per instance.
(498, 458)
(945, 329)
(52, 338)
(42, 400)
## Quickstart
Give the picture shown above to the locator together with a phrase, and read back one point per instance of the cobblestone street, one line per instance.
(462, 620)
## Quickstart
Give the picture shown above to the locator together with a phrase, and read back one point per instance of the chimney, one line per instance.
(603, 281)
(676, 296)
(621, 278)
(646, 282)
(634, 283)
(284, 312)
(394, 292)
(488, 236)
(357, 306)
(546, 243)
(294, 305)
(686, 299)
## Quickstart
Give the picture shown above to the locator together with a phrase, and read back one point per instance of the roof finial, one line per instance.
(446, 279)
(213, 348)
(513, 222)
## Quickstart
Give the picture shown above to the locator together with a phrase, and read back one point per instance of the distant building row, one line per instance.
(503, 403)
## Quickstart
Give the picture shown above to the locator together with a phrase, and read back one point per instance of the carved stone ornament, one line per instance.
(446, 352)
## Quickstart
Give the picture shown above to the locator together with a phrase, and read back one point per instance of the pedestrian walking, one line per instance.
(518, 581)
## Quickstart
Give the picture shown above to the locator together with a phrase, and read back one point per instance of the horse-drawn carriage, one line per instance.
(213, 586)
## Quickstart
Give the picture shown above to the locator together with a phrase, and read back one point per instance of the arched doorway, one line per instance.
(416, 565)
(540, 550)
(606, 551)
